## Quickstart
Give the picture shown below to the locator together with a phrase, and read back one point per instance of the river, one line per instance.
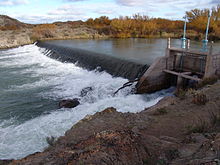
(32, 84)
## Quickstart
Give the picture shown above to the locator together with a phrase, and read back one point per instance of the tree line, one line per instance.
(144, 26)
(138, 25)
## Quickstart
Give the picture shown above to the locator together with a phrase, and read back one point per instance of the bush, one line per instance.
(201, 127)
(199, 99)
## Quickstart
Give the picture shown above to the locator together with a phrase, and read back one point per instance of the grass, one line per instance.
(181, 93)
(207, 81)
(201, 127)
(205, 126)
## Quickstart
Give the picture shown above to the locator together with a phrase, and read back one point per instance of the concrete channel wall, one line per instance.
(176, 65)
(154, 78)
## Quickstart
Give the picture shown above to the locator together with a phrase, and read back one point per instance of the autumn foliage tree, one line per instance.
(198, 21)
(144, 26)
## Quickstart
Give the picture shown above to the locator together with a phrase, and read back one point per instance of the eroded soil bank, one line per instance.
(175, 131)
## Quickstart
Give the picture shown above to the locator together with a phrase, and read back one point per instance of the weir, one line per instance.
(91, 60)
(179, 66)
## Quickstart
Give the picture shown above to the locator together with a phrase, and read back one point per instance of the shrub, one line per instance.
(199, 99)
(200, 127)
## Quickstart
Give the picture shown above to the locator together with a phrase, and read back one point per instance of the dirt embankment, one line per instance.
(178, 131)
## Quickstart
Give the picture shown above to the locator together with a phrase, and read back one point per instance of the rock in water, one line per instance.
(69, 103)
(85, 91)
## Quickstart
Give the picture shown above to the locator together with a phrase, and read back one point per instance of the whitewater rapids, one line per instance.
(32, 85)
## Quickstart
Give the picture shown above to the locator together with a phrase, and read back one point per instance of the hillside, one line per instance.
(15, 33)
(8, 23)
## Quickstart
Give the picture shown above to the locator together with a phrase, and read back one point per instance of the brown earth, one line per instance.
(177, 131)
(15, 33)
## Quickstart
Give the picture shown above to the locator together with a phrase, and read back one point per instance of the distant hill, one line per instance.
(15, 33)
(8, 23)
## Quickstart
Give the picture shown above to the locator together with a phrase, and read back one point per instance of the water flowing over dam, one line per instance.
(91, 60)
(31, 86)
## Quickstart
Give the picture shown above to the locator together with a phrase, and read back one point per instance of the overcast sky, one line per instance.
(46, 11)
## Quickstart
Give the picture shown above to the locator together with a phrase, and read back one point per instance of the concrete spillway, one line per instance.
(91, 60)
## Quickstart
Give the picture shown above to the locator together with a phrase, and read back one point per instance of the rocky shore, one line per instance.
(178, 130)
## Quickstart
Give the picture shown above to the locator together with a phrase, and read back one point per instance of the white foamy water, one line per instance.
(58, 81)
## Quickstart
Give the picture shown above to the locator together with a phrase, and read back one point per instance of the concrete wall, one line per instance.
(154, 78)
(212, 66)
(203, 64)
(191, 63)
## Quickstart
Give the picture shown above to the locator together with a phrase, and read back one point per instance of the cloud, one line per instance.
(130, 2)
(161, 3)
(67, 10)
(82, 9)
(36, 19)
(215, 2)
(13, 2)
(74, 0)
(104, 11)
(170, 14)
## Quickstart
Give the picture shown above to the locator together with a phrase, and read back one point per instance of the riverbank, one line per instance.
(12, 39)
(15, 33)
(178, 130)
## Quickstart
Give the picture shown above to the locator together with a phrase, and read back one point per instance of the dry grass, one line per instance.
(199, 98)
(207, 81)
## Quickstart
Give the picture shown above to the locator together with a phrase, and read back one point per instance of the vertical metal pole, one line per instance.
(211, 48)
(183, 46)
(205, 41)
(168, 43)
(184, 32)
(188, 44)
